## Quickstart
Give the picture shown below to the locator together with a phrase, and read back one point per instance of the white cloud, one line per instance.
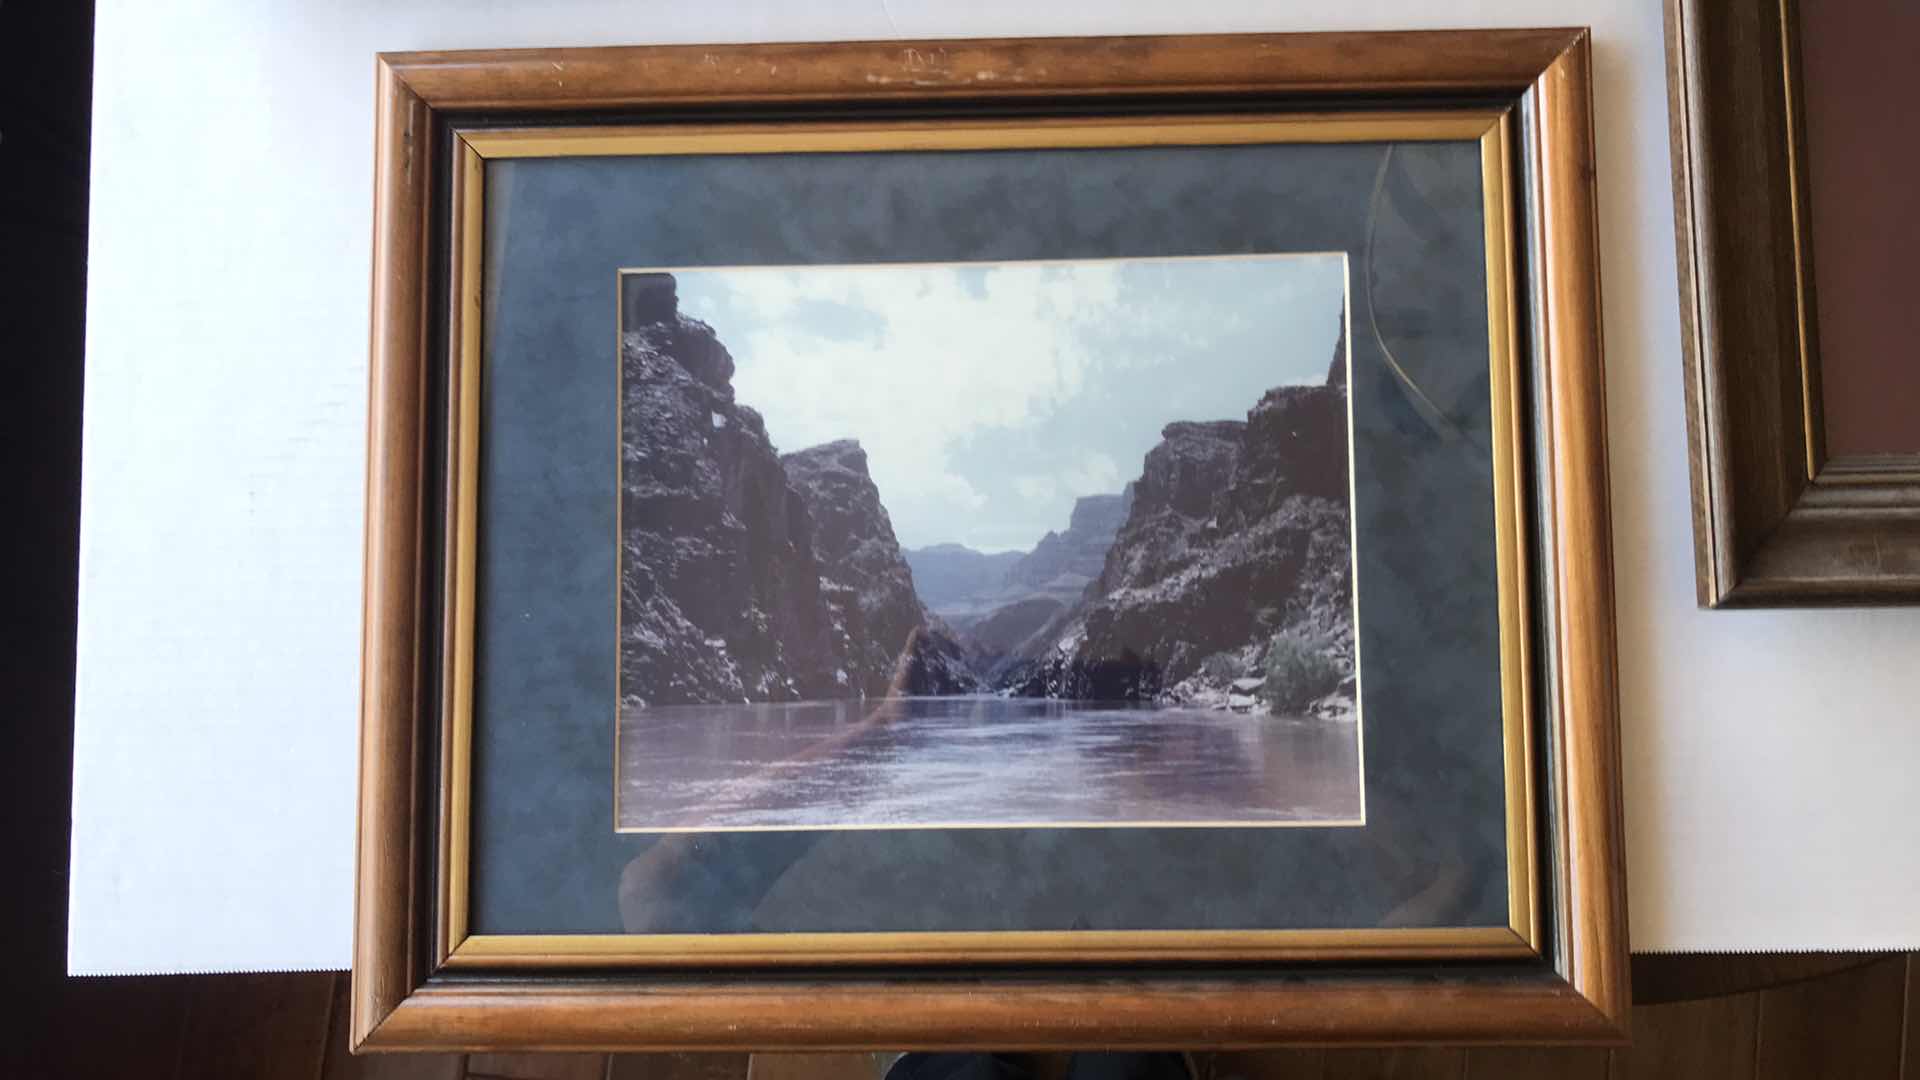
(1036, 488)
(917, 361)
(959, 491)
(1093, 474)
(949, 359)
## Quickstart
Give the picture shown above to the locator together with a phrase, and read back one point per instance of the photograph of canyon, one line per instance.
(1022, 544)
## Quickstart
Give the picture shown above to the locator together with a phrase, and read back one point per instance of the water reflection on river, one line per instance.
(978, 760)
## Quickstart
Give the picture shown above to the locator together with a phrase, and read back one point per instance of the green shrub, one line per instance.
(1301, 669)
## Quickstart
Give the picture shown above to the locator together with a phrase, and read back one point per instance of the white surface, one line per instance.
(1770, 793)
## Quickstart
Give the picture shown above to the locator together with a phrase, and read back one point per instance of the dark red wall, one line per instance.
(1861, 65)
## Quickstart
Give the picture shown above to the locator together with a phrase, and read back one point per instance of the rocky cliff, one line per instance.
(1063, 563)
(952, 579)
(1231, 576)
(996, 601)
(886, 637)
(1221, 576)
(1003, 636)
(720, 589)
(740, 582)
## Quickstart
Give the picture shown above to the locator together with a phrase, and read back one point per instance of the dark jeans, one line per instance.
(998, 1067)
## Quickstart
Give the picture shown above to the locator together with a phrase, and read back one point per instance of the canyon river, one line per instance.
(980, 760)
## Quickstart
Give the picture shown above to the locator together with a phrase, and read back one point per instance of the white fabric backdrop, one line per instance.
(1770, 793)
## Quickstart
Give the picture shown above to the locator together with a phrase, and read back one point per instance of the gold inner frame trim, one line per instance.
(1037, 134)
(456, 947)
(1804, 347)
(1509, 500)
(1017, 946)
(463, 472)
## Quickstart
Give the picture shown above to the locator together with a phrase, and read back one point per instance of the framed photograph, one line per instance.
(1803, 386)
(989, 543)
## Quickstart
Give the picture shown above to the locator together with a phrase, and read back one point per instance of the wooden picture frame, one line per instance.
(1777, 520)
(420, 980)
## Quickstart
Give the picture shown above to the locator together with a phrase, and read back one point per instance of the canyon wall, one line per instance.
(889, 644)
(1231, 576)
(746, 576)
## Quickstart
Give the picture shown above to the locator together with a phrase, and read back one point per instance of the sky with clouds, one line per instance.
(989, 396)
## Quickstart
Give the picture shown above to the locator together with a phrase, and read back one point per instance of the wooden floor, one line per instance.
(1850, 1018)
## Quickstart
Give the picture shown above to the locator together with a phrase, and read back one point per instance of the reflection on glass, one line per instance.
(979, 760)
(989, 543)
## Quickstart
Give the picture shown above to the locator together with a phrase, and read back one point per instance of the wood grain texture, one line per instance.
(1692, 1040)
(1910, 1030)
(1301, 1064)
(273, 1027)
(677, 1067)
(1497, 61)
(1401, 1063)
(403, 1000)
(870, 1066)
(1811, 1025)
(1053, 1066)
(1847, 1026)
(1589, 825)
(119, 1027)
(1144, 1011)
(537, 1067)
(1556, 1063)
(1775, 521)
(1659, 979)
(342, 1065)
(389, 858)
